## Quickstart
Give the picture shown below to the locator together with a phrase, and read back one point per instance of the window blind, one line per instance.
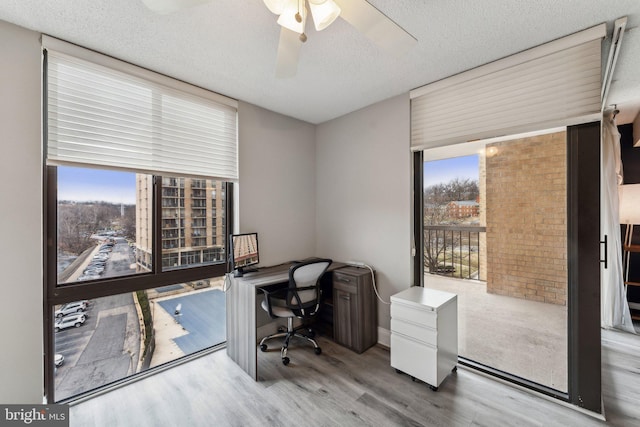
(103, 112)
(556, 84)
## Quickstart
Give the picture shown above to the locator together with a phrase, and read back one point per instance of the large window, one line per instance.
(138, 184)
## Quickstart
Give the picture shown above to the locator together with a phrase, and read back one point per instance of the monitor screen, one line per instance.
(244, 250)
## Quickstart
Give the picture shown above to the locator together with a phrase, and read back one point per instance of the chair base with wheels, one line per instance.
(291, 332)
(300, 299)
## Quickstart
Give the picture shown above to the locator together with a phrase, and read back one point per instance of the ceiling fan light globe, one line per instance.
(324, 12)
(288, 19)
(276, 6)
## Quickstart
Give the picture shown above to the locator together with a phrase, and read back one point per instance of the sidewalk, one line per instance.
(166, 329)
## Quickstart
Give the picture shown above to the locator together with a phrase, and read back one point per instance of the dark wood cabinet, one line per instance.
(354, 309)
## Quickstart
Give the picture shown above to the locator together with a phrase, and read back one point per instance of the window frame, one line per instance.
(56, 294)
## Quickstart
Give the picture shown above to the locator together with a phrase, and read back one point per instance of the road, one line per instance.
(106, 347)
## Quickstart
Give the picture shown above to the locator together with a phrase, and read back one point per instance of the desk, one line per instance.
(245, 316)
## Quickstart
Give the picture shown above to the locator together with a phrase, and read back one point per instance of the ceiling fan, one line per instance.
(292, 17)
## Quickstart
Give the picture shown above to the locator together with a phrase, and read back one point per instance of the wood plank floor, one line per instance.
(342, 388)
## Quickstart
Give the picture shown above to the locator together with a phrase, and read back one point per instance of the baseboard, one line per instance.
(384, 337)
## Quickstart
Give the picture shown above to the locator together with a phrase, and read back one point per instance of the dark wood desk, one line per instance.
(245, 316)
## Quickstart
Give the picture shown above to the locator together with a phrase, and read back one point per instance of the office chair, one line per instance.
(301, 299)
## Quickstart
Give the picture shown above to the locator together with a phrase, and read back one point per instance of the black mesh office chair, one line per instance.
(300, 299)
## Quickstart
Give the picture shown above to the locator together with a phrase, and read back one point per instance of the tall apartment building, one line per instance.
(192, 219)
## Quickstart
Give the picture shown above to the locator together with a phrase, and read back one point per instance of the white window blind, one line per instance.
(556, 84)
(106, 113)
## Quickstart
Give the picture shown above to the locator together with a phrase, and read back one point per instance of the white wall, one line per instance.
(364, 197)
(21, 317)
(277, 191)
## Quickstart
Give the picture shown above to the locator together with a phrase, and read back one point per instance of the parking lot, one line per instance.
(105, 348)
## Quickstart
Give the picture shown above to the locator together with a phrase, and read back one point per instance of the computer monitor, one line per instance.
(244, 252)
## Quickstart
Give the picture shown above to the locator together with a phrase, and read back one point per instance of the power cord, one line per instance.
(227, 282)
(360, 264)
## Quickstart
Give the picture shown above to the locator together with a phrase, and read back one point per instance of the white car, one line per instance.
(70, 320)
(59, 360)
(72, 307)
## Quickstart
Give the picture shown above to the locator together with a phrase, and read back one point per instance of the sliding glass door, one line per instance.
(496, 231)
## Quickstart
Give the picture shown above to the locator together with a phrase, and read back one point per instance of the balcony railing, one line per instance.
(452, 250)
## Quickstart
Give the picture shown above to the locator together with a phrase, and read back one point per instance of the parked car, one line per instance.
(59, 359)
(72, 307)
(93, 270)
(96, 264)
(200, 284)
(70, 320)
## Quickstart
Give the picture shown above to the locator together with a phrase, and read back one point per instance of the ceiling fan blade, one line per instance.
(165, 7)
(377, 26)
(288, 53)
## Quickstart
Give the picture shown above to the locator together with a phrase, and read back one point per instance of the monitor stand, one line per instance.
(240, 271)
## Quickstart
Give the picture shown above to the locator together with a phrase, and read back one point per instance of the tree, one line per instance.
(436, 199)
(435, 243)
(437, 196)
(75, 227)
(128, 222)
(453, 191)
(77, 222)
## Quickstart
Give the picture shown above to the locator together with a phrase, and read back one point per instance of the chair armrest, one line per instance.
(273, 293)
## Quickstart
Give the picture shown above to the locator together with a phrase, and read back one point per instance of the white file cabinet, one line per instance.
(424, 334)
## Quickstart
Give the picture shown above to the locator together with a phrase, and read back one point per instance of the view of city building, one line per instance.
(192, 219)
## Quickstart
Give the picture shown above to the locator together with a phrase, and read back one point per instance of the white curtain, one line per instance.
(614, 308)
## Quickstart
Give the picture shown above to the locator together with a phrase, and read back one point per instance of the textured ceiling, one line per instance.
(229, 46)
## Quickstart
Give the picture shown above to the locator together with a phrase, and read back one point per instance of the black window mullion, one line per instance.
(228, 221)
(156, 238)
(50, 275)
(418, 219)
(119, 285)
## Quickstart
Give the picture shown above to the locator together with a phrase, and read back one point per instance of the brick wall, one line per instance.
(526, 218)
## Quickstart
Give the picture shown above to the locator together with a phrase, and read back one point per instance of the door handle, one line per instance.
(606, 252)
